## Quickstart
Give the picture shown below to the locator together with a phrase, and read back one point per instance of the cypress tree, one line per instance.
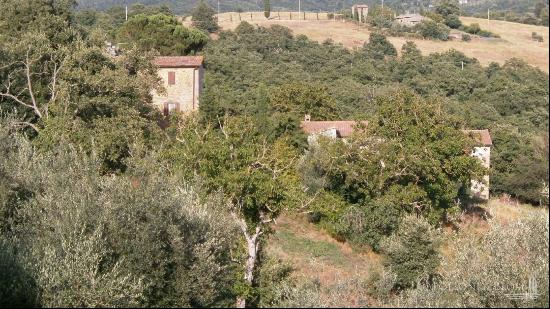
(267, 8)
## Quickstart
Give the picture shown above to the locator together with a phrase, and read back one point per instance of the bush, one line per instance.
(476, 29)
(412, 252)
(378, 47)
(368, 225)
(453, 21)
(432, 30)
(482, 272)
(466, 38)
(537, 37)
(138, 240)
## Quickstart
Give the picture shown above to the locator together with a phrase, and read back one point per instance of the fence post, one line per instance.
(290, 15)
(304, 15)
(239, 16)
(250, 15)
(317, 15)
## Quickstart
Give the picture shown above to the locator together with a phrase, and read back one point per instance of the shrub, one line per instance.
(482, 272)
(537, 37)
(378, 47)
(452, 21)
(412, 251)
(89, 240)
(466, 38)
(432, 30)
(368, 225)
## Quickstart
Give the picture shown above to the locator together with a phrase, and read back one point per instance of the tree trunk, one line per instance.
(252, 246)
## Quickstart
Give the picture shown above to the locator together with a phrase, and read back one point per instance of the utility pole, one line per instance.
(299, 8)
(488, 16)
(218, 16)
(126, 12)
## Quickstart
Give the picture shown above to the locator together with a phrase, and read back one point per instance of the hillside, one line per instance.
(343, 273)
(184, 7)
(516, 38)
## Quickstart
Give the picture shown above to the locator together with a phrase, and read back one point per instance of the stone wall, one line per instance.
(185, 91)
(480, 189)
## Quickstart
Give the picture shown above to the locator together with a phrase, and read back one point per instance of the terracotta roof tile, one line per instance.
(481, 136)
(344, 128)
(179, 61)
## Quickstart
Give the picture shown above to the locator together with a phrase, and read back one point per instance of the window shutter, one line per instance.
(171, 78)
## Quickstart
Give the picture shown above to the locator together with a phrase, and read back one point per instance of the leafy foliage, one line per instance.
(163, 33)
(204, 19)
(477, 272)
(412, 252)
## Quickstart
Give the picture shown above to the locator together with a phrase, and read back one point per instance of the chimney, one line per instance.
(307, 117)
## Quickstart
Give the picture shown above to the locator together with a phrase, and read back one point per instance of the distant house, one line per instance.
(332, 129)
(182, 78)
(344, 129)
(409, 19)
(362, 11)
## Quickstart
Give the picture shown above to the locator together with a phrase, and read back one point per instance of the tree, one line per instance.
(84, 239)
(162, 33)
(299, 99)
(378, 47)
(447, 7)
(204, 18)
(267, 8)
(411, 158)
(256, 177)
(433, 30)
(450, 10)
(539, 7)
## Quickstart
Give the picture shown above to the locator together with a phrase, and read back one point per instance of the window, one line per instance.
(171, 78)
(170, 107)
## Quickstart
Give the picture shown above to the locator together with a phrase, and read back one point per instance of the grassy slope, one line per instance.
(516, 38)
(316, 256)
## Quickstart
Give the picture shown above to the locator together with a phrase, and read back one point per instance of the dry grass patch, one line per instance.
(315, 255)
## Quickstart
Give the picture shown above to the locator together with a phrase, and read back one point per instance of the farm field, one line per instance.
(515, 38)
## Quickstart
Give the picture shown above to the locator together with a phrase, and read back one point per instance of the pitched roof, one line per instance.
(481, 136)
(343, 128)
(179, 61)
(346, 128)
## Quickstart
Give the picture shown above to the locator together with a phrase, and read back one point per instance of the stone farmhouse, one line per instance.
(344, 129)
(362, 10)
(409, 19)
(182, 78)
